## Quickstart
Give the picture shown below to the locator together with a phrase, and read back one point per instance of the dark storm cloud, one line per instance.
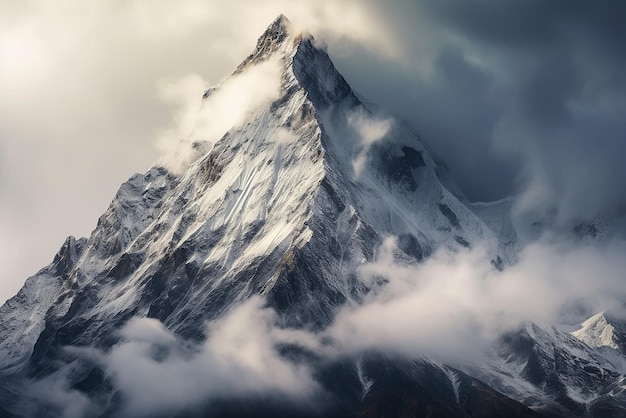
(456, 112)
(564, 45)
(562, 63)
(516, 96)
(532, 23)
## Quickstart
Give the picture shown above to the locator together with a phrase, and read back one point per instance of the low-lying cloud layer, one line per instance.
(455, 304)
(158, 373)
(450, 308)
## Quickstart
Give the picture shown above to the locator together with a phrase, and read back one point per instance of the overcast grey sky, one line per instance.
(516, 96)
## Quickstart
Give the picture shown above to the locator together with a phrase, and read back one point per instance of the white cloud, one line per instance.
(283, 136)
(229, 104)
(354, 132)
(453, 305)
(147, 330)
(206, 121)
(156, 372)
(369, 129)
(53, 397)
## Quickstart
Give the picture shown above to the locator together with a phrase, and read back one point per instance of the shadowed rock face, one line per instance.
(288, 220)
(409, 389)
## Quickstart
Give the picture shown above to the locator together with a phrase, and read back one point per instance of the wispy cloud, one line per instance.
(156, 372)
(369, 129)
(226, 106)
(354, 131)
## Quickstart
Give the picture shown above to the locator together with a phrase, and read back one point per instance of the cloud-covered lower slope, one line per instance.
(451, 308)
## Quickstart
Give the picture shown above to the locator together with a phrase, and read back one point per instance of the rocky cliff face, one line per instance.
(286, 204)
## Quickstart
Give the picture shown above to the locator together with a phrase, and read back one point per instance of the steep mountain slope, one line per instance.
(287, 203)
(551, 371)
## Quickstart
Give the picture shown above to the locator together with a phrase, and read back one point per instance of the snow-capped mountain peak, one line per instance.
(598, 331)
(286, 186)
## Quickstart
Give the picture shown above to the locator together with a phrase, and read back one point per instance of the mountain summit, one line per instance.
(286, 187)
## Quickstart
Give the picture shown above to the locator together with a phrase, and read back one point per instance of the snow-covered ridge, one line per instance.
(598, 331)
(506, 199)
(22, 316)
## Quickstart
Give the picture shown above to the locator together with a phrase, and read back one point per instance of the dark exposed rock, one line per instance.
(450, 215)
